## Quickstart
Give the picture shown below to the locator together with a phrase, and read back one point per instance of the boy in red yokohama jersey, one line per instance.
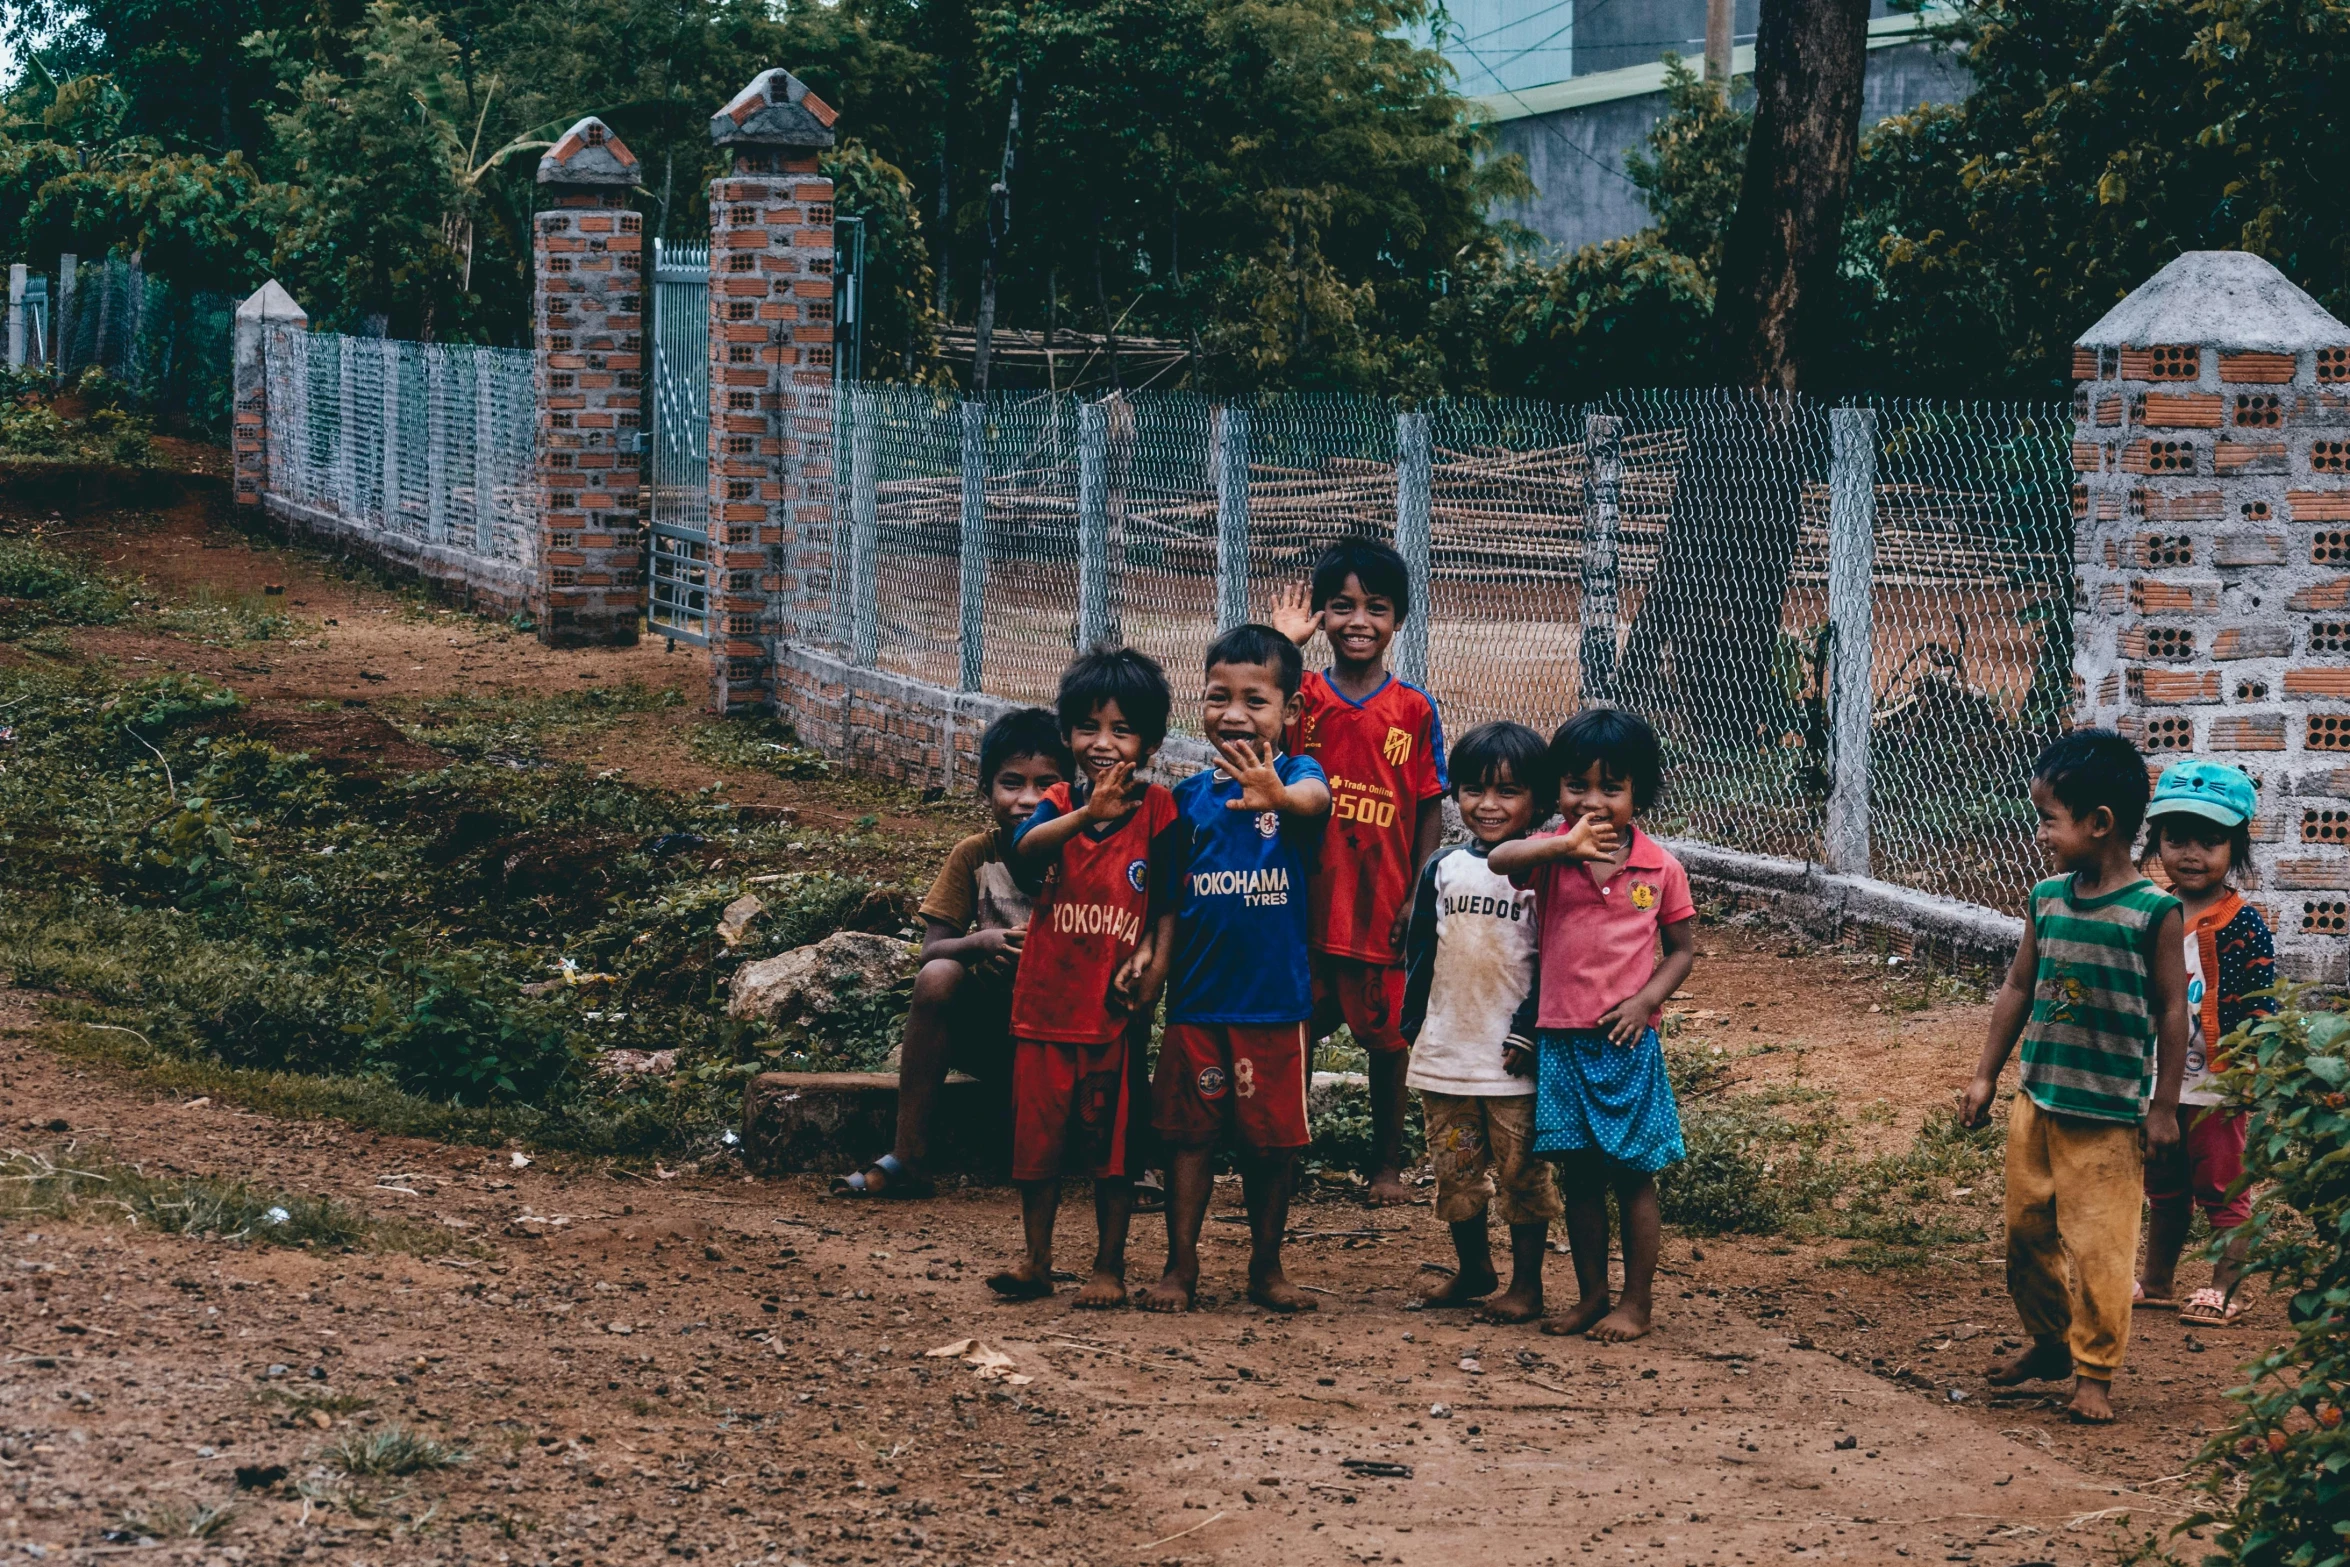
(1099, 942)
(1380, 744)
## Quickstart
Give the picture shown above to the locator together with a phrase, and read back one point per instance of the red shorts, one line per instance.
(1367, 997)
(1246, 1076)
(1070, 1105)
(2209, 1159)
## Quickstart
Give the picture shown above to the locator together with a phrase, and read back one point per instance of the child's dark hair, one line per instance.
(1024, 731)
(2093, 767)
(1264, 647)
(2185, 826)
(1132, 680)
(1621, 743)
(1480, 757)
(1378, 568)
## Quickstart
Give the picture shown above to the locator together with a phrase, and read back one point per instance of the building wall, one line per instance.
(1577, 157)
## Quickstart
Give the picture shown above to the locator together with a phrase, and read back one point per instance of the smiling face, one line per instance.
(1245, 702)
(1359, 623)
(1496, 808)
(2072, 843)
(1019, 786)
(1103, 738)
(2196, 854)
(1597, 791)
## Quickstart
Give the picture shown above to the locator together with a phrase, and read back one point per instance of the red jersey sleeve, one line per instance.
(1674, 904)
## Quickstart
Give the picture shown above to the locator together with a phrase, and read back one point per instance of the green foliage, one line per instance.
(41, 586)
(757, 741)
(2279, 1479)
(391, 1449)
(88, 1184)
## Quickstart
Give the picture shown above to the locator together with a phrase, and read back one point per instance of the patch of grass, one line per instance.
(478, 728)
(72, 1182)
(759, 743)
(224, 620)
(42, 587)
(191, 1522)
(389, 1451)
(301, 1400)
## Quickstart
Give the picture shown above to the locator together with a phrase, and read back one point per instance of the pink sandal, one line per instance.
(2208, 1308)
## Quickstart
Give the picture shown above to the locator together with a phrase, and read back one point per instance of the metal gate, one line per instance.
(678, 604)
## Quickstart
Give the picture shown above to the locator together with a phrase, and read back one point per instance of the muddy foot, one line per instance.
(1387, 1190)
(2043, 1362)
(2092, 1403)
(1517, 1306)
(1171, 1293)
(1576, 1323)
(1274, 1292)
(1025, 1281)
(1466, 1289)
(1620, 1326)
(1102, 1292)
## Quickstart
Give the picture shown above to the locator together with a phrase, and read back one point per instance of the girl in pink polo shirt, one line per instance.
(1602, 1106)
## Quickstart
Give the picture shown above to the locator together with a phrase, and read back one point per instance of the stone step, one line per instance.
(834, 1122)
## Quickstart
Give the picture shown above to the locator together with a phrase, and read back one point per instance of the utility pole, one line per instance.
(1717, 44)
(999, 224)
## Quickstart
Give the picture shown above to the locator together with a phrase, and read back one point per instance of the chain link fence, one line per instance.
(169, 345)
(425, 441)
(1714, 560)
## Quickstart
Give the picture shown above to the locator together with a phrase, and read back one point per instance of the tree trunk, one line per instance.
(1779, 258)
(999, 223)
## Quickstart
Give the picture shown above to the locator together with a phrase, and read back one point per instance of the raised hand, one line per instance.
(1293, 614)
(1250, 763)
(1109, 799)
(1594, 838)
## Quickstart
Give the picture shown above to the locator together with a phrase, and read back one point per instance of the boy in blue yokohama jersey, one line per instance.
(1234, 1054)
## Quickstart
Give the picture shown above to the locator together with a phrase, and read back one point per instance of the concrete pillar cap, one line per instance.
(775, 110)
(2225, 299)
(270, 302)
(588, 154)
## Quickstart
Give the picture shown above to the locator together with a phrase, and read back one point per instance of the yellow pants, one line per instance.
(2075, 1192)
(1482, 1147)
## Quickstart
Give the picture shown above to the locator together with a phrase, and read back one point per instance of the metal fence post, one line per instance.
(1852, 546)
(1414, 475)
(436, 439)
(346, 428)
(68, 267)
(485, 452)
(1228, 456)
(1603, 457)
(864, 607)
(972, 665)
(1096, 624)
(390, 355)
(17, 272)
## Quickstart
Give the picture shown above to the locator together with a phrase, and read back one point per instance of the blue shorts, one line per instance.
(1594, 1096)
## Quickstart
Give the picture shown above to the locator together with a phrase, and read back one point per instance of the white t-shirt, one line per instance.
(1469, 962)
(2197, 1086)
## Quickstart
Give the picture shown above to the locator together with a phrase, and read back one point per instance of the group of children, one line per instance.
(1515, 980)
(1291, 887)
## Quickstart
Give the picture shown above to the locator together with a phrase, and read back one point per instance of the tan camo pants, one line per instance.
(1482, 1147)
(2075, 1192)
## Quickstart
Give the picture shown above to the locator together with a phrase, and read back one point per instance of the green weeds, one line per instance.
(390, 1451)
(190, 1522)
(42, 587)
(759, 743)
(225, 620)
(87, 1184)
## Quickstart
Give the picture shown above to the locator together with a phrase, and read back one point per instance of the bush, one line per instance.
(2280, 1475)
(40, 586)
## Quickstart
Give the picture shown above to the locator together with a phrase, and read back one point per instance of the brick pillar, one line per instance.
(588, 316)
(770, 380)
(2212, 439)
(267, 309)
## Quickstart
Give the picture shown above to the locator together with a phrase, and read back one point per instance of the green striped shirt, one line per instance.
(2088, 1049)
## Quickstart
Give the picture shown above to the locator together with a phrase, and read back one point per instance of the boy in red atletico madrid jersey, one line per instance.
(1381, 746)
(1099, 942)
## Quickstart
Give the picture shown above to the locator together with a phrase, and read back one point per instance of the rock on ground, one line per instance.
(809, 983)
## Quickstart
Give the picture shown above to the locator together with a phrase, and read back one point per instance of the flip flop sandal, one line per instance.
(2141, 1301)
(897, 1181)
(2208, 1308)
(1150, 1196)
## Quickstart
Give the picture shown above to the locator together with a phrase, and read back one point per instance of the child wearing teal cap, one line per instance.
(2200, 825)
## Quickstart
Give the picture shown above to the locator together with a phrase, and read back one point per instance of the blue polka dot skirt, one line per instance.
(1594, 1096)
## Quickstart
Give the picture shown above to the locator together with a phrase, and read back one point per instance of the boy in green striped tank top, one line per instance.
(2098, 995)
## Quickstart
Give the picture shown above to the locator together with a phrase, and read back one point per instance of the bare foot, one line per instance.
(1622, 1325)
(1387, 1190)
(1466, 1289)
(1102, 1292)
(1274, 1292)
(2092, 1402)
(2153, 1295)
(1171, 1293)
(1576, 1323)
(1517, 1306)
(1023, 1281)
(2043, 1362)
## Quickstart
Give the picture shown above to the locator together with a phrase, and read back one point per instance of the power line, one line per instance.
(1533, 114)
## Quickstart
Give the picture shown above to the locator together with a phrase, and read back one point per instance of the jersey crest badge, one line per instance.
(1211, 1082)
(1268, 823)
(1643, 896)
(1138, 874)
(1397, 747)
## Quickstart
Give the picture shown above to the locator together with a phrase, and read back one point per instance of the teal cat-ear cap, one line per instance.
(2205, 789)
